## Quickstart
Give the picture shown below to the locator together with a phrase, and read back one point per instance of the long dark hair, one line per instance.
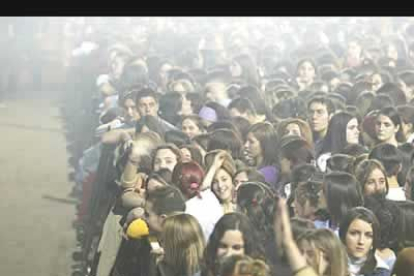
(232, 221)
(266, 134)
(368, 216)
(335, 139)
(342, 192)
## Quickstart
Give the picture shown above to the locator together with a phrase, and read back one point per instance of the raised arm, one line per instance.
(283, 232)
(217, 163)
(116, 136)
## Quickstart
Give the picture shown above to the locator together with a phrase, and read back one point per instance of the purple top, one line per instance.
(271, 175)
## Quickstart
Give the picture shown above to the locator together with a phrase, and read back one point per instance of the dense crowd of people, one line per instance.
(243, 146)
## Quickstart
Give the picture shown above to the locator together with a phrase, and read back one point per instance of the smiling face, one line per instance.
(359, 239)
(190, 128)
(223, 186)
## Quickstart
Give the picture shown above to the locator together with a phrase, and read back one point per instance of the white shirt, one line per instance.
(396, 194)
(207, 210)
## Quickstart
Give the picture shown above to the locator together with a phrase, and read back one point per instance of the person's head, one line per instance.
(242, 107)
(320, 110)
(342, 131)
(300, 226)
(192, 126)
(244, 67)
(407, 211)
(166, 157)
(409, 184)
(117, 64)
(243, 125)
(389, 156)
(149, 123)
(359, 232)
(306, 71)
(176, 137)
(294, 151)
(388, 126)
(233, 234)
(372, 177)
(170, 105)
(341, 162)
(225, 139)
(354, 150)
(222, 185)
(157, 180)
(201, 142)
(324, 252)
(290, 108)
(260, 144)
(404, 265)
(191, 153)
(183, 244)
(248, 175)
(188, 177)
(406, 113)
(243, 265)
(147, 102)
(254, 94)
(127, 102)
(341, 192)
(135, 73)
(257, 201)
(397, 94)
(295, 126)
(162, 203)
(390, 220)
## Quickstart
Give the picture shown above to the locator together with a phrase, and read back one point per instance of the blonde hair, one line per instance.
(326, 241)
(183, 243)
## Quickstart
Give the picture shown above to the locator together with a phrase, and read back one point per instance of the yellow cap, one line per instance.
(137, 229)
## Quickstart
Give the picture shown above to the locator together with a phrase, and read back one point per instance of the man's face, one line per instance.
(131, 112)
(153, 220)
(318, 117)
(148, 106)
(216, 91)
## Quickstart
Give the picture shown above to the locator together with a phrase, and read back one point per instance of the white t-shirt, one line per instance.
(396, 194)
(206, 209)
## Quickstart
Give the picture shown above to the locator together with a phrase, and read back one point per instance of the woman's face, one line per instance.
(231, 243)
(223, 186)
(306, 72)
(315, 257)
(190, 128)
(359, 239)
(240, 178)
(376, 183)
(292, 129)
(185, 155)
(186, 108)
(253, 147)
(165, 159)
(352, 132)
(385, 128)
(305, 211)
